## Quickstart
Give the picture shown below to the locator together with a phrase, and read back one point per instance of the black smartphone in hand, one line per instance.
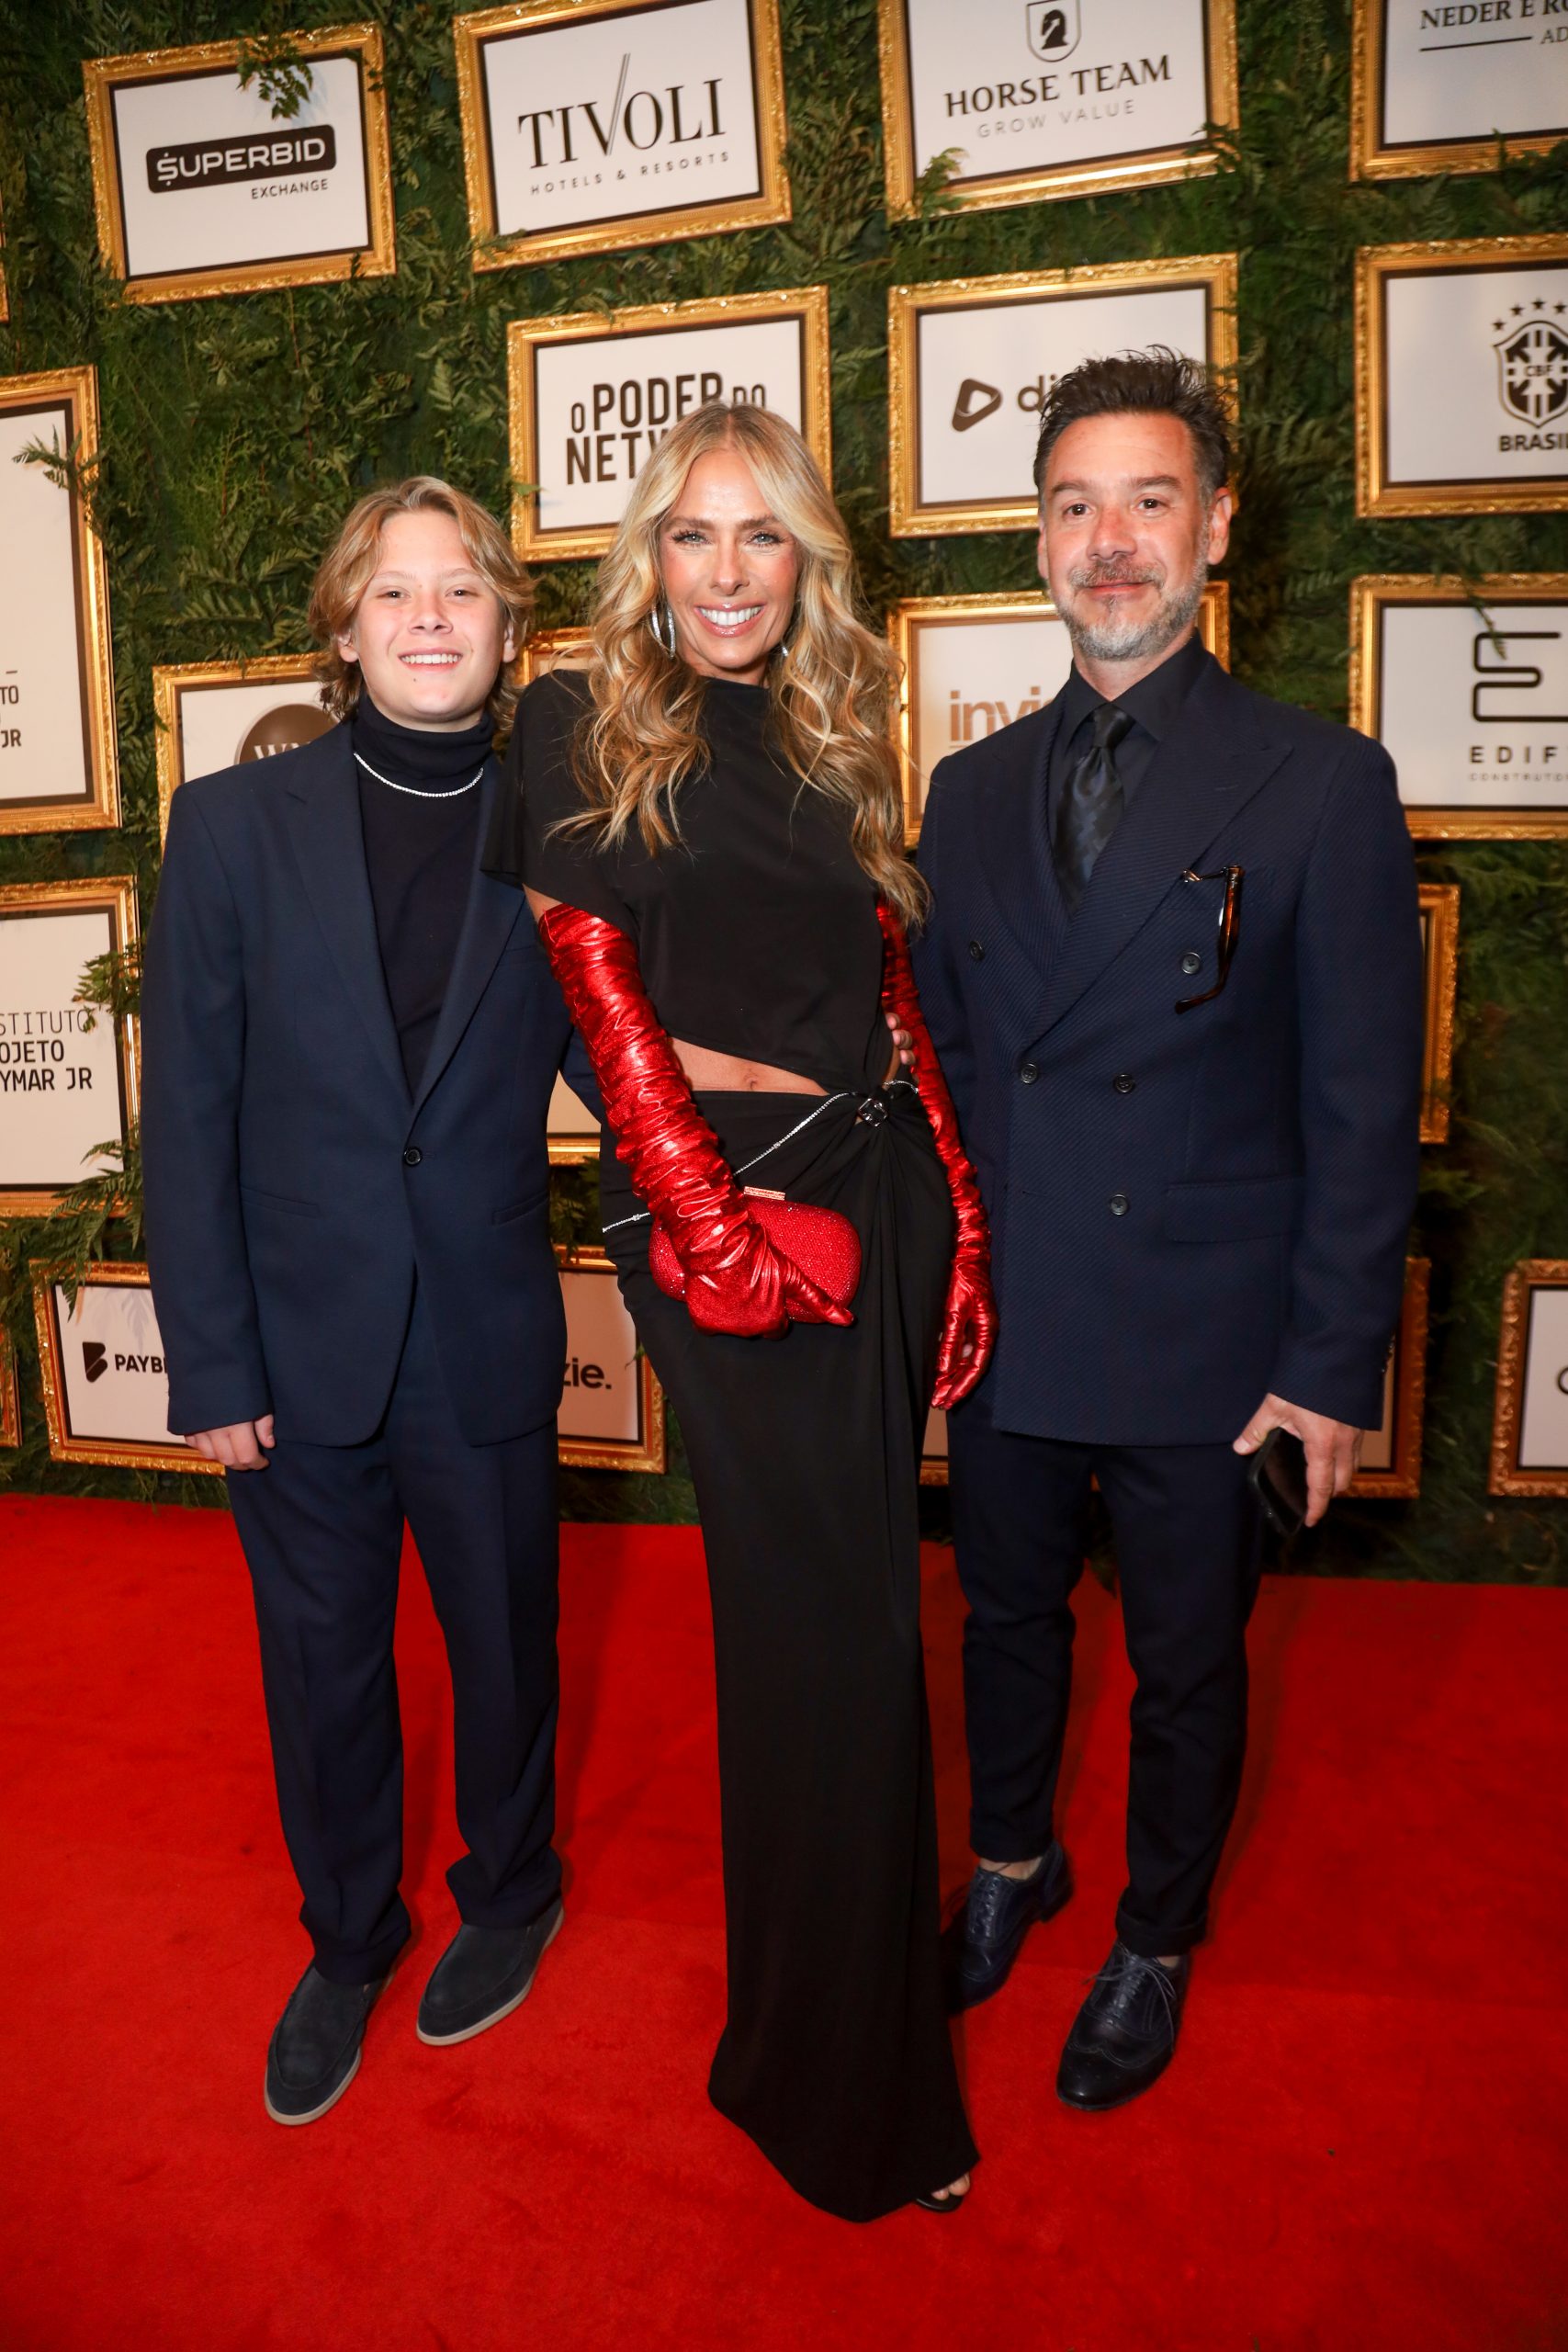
(1280, 1474)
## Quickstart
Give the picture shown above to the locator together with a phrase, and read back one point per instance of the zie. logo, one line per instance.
(1055, 29)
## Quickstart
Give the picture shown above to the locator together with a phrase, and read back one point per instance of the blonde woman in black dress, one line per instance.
(710, 829)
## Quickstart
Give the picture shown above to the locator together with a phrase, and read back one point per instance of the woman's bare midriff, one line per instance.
(714, 1073)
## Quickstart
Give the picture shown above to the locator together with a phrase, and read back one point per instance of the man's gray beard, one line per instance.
(1134, 641)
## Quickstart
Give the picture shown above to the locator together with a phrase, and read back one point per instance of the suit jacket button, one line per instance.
(1123, 1081)
(976, 951)
(1118, 1203)
(1028, 1072)
(411, 1155)
(1191, 962)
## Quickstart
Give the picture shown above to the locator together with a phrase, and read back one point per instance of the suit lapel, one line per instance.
(1196, 783)
(491, 916)
(329, 845)
(1014, 848)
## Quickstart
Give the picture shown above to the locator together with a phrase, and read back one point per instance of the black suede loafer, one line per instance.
(483, 1975)
(981, 1943)
(1123, 2037)
(314, 2052)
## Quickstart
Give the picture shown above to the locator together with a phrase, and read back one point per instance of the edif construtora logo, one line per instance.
(207, 163)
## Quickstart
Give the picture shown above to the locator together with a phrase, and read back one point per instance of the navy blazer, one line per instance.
(293, 1186)
(1189, 1209)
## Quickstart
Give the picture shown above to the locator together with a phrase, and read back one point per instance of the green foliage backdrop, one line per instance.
(236, 431)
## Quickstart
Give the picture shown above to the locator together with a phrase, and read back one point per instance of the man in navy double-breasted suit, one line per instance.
(1174, 976)
(350, 1035)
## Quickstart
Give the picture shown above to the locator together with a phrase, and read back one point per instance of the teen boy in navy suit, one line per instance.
(350, 1035)
(1174, 976)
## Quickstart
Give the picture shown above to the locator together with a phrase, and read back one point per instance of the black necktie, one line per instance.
(1091, 805)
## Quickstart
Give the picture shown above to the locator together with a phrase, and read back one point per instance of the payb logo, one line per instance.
(95, 1359)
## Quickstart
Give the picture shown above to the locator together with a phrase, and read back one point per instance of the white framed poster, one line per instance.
(1053, 98)
(106, 1386)
(1530, 1433)
(206, 186)
(1465, 685)
(59, 770)
(213, 714)
(591, 397)
(1390, 1465)
(971, 361)
(571, 1130)
(1447, 88)
(68, 1083)
(1461, 376)
(593, 125)
(973, 665)
(612, 1406)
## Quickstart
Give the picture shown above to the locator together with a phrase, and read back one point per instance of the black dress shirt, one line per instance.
(1154, 706)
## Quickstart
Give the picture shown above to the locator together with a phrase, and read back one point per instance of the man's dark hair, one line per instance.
(1156, 382)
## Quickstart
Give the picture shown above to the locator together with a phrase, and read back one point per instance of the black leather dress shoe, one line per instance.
(314, 2052)
(981, 1943)
(483, 1975)
(1123, 2037)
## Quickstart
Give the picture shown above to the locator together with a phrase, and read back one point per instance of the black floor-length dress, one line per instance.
(757, 937)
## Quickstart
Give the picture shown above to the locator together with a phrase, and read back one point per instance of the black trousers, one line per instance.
(836, 2055)
(323, 1530)
(1188, 1533)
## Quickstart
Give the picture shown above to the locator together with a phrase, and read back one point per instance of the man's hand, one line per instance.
(1333, 1448)
(902, 1039)
(238, 1446)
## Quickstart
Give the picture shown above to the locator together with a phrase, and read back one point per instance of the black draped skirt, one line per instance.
(836, 2055)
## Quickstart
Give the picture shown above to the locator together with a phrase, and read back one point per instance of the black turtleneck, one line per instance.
(420, 848)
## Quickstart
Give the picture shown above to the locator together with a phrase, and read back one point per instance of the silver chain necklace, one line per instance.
(456, 793)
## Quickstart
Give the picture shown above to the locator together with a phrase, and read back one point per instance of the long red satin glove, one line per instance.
(736, 1281)
(971, 1313)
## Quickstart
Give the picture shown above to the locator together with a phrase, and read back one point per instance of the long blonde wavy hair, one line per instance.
(832, 695)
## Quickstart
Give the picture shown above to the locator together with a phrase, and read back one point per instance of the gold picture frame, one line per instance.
(65, 1443)
(10, 1395)
(650, 1450)
(655, 225)
(526, 338)
(4, 295)
(1400, 1480)
(1378, 266)
(103, 76)
(69, 397)
(1372, 158)
(910, 515)
(1093, 176)
(933, 1466)
(115, 895)
(172, 683)
(550, 649)
(1439, 952)
(1522, 1287)
(914, 616)
(1370, 597)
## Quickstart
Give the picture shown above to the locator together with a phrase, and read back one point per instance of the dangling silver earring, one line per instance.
(662, 621)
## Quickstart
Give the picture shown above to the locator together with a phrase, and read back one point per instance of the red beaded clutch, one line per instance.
(819, 1241)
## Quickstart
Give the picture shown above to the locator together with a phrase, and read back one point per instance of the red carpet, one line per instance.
(1359, 2148)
